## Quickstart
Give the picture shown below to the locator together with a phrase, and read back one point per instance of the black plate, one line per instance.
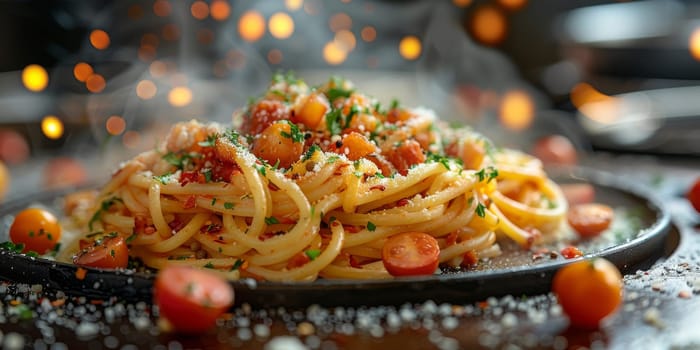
(516, 274)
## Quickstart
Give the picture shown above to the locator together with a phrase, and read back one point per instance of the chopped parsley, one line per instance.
(310, 152)
(180, 160)
(207, 174)
(209, 265)
(333, 121)
(295, 134)
(228, 205)
(210, 141)
(371, 226)
(313, 253)
(271, 220)
(163, 179)
(394, 104)
(480, 210)
(213, 201)
(106, 204)
(489, 173)
(131, 238)
(436, 158)
(237, 265)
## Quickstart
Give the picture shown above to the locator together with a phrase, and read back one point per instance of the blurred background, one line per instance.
(85, 85)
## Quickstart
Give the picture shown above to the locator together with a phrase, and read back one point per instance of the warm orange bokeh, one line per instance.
(281, 25)
(274, 56)
(517, 110)
(488, 25)
(251, 26)
(340, 21)
(35, 78)
(82, 71)
(368, 34)
(162, 8)
(513, 4)
(219, 10)
(95, 83)
(180, 96)
(334, 54)
(115, 125)
(410, 47)
(99, 39)
(199, 10)
(146, 89)
(52, 127)
(694, 44)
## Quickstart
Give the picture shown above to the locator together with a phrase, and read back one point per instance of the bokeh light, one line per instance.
(180, 96)
(146, 89)
(410, 47)
(513, 4)
(333, 54)
(64, 172)
(462, 3)
(368, 34)
(517, 110)
(14, 149)
(147, 53)
(584, 93)
(219, 10)
(162, 8)
(594, 104)
(488, 25)
(171, 32)
(52, 127)
(694, 44)
(293, 5)
(82, 71)
(115, 125)
(345, 39)
(199, 10)
(99, 39)
(35, 78)
(95, 83)
(274, 56)
(158, 68)
(340, 21)
(131, 139)
(251, 26)
(281, 25)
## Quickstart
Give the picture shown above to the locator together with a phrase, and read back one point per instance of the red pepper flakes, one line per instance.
(451, 239)
(80, 273)
(470, 259)
(298, 260)
(378, 187)
(571, 252)
(190, 202)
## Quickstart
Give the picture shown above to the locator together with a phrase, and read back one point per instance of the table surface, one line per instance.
(661, 307)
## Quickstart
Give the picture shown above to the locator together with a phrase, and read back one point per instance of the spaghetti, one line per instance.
(312, 182)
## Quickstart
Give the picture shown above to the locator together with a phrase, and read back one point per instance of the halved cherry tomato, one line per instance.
(411, 254)
(578, 193)
(590, 219)
(37, 229)
(107, 253)
(588, 291)
(555, 149)
(191, 299)
(694, 195)
(570, 252)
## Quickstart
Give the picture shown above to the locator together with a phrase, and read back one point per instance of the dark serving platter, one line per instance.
(630, 247)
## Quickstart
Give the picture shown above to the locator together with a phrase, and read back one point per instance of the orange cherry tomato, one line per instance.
(37, 229)
(278, 143)
(588, 291)
(411, 254)
(578, 193)
(694, 195)
(555, 149)
(107, 253)
(406, 155)
(191, 299)
(590, 219)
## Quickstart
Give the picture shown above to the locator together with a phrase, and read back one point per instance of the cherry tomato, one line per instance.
(37, 229)
(191, 299)
(588, 291)
(406, 155)
(694, 195)
(312, 110)
(555, 149)
(263, 114)
(590, 219)
(578, 193)
(411, 254)
(107, 253)
(277, 143)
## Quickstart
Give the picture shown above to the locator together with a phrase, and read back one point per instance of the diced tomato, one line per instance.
(190, 299)
(590, 219)
(411, 254)
(312, 110)
(276, 144)
(354, 145)
(263, 114)
(470, 259)
(107, 253)
(298, 260)
(406, 155)
(570, 252)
